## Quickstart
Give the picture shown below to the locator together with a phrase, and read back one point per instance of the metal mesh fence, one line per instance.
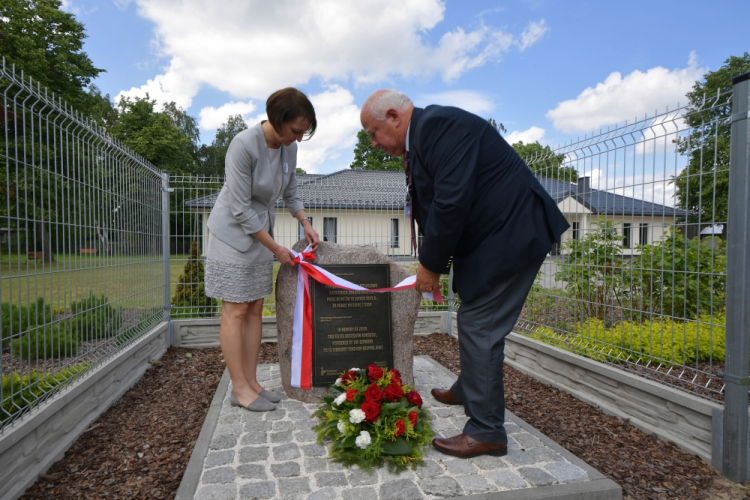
(639, 280)
(81, 267)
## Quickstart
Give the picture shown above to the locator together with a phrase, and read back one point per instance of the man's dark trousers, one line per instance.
(483, 324)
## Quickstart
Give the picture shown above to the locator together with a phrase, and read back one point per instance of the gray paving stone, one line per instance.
(217, 492)
(517, 457)
(387, 476)
(506, 479)
(253, 454)
(358, 477)
(441, 487)
(216, 458)
(306, 436)
(285, 469)
(300, 416)
(429, 469)
(315, 464)
(442, 412)
(460, 421)
(403, 489)
(223, 442)
(474, 483)
(252, 471)
(488, 462)
(273, 415)
(284, 452)
(314, 450)
(511, 428)
(336, 467)
(536, 476)
(254, 438)
(233, 429)
(262, 377)
(360, 494)
(258, 426)
(566, 472)
(527, 441)
(252, 416)
(223, 475)
(324, 494)
(306, 424)
(544, 454)
(294, 486)
(282, 425)
(264, 489)
(323, 479)
(281, 437)
(459, 467)
(230, 418)
(443, 424)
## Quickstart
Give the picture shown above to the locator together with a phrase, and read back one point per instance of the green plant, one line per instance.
(190, 299)
(94, 317)
(51, 341)
(16, 319)
(23, 390)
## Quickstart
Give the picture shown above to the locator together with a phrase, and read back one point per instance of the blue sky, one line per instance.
(549, 70)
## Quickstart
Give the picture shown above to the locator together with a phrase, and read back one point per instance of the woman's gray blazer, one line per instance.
(246, 202)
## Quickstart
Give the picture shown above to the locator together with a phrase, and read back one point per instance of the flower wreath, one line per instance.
(372, 418)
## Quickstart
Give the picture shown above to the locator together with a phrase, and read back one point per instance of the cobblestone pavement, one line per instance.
(275, 455)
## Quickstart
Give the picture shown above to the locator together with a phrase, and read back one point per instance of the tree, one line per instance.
(497, 126)
(46, 43)
(367, 157)
(544, 162)
(211, 157)
(703, 186)
(163, 138)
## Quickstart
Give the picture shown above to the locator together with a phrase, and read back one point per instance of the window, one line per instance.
(394, 233)
(302, 229)
(626, 238)
(575, 230)
(329, 229)
(643, 236)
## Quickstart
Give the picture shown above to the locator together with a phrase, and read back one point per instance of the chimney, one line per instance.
(584, 185)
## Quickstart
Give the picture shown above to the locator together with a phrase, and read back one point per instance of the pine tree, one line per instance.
(190, 297)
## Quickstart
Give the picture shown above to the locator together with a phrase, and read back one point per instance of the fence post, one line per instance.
(451, 303)
(165, 213)
(734, 455)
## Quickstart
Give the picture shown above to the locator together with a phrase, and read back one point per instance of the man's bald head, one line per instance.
(385, 116)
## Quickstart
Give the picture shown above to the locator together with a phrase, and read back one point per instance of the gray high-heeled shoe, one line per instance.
(271, 396)
(260, 404)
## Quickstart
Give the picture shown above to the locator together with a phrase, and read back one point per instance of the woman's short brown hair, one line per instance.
(287, 104)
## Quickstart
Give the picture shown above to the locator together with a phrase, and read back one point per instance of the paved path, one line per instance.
(242, 454)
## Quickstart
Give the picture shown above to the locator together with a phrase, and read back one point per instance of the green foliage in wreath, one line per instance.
(372, 419)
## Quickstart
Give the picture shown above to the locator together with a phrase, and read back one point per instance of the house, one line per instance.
(367, 207)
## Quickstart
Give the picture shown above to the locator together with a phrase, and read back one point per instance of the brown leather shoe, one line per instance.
(445, 396)
(464, 446)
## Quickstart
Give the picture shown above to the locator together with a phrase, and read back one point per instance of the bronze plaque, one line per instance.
(351, 329)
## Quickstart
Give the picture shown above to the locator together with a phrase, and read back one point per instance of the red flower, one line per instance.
(371, 409)
(396, 375)
(414, 398)
(393, 392)
(349, 376)
(400, 428)
(351, 394)
(374, 372)
(373, 393)
(413, 418)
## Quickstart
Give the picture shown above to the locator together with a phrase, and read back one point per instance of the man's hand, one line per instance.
(427, 281)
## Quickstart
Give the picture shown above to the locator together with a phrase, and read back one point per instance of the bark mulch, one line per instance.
(141, 446)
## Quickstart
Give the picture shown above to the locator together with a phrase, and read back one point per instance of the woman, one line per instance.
(260, 166)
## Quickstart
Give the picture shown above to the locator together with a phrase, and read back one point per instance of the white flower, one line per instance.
(340, 399)
(341, 426)
(354, 370)
(356, 415)
(363, 440)
(339, 382)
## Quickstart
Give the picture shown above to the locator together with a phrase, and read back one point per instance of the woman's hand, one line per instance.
(284, 255)
(312, 237)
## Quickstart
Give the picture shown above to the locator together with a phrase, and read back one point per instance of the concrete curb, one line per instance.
(192, 474)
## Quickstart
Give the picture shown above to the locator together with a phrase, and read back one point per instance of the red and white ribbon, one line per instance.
(302, 329)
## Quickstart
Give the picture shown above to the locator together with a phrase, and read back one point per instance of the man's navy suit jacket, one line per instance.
(476, 201)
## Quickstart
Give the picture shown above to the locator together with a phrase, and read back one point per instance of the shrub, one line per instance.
(16, 319)
(30, 387)
(190, 299)
(94, 317)
(51, 341)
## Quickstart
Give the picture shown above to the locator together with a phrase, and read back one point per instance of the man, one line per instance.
(480, 206)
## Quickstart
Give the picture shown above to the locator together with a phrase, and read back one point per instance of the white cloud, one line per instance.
(212, 118)
(122, 4)
(617, 99)
(532, 34)
(250, 49)
(338, 124)
(531, 135)
(470, 100)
